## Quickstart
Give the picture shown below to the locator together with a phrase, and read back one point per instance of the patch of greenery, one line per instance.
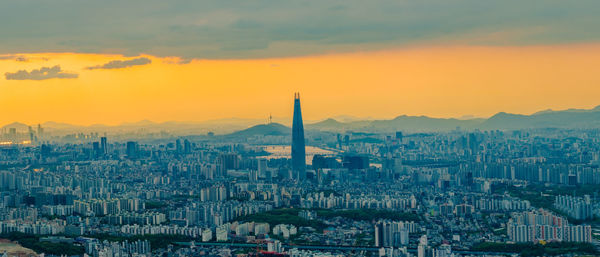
(536, 198)
(551, 191)
(531, 249)
(155, 204)
(33, 242)
(368, 214)
(543, 197)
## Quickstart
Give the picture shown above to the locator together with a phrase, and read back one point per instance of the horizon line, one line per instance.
(355, 118)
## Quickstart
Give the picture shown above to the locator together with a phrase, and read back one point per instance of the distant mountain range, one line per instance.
(571, 118)
(223, 126)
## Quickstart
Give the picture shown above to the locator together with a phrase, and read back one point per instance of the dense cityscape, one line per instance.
(271, 190)
(329, 128)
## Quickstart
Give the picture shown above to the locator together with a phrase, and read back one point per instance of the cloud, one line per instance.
(184, 61)
(118, 64)
(18, 58)
(21, 58)
(40, 74)
(216, 29)
(177, 60)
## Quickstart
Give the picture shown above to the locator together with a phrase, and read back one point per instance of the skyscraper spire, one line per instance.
(298, 143)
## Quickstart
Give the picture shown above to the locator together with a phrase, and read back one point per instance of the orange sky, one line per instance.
(432, 81)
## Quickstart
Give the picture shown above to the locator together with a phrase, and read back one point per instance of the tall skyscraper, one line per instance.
(104, 145)
(298, 147)
(132, 149)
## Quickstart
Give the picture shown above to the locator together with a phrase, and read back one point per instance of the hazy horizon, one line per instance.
(344, 118)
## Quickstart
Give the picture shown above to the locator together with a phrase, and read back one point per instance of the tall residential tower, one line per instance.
(298, 148)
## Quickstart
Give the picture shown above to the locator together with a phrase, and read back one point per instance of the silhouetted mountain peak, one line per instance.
(17, 125)
(501, 115)
(327, 122)
(544, 111)
(271, 129)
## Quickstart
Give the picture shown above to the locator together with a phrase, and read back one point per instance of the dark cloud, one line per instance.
(40, 74)
(264, 28)
(184, 61)
(118, 64)
(18, 58)
(21, 58)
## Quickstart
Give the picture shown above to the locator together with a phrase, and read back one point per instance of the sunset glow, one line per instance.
(433, 81)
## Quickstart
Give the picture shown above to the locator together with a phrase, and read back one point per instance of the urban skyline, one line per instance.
(405, 194)
(438, 128)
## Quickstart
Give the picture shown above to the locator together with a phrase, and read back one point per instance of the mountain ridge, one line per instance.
(271, 129)
(569, 118)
